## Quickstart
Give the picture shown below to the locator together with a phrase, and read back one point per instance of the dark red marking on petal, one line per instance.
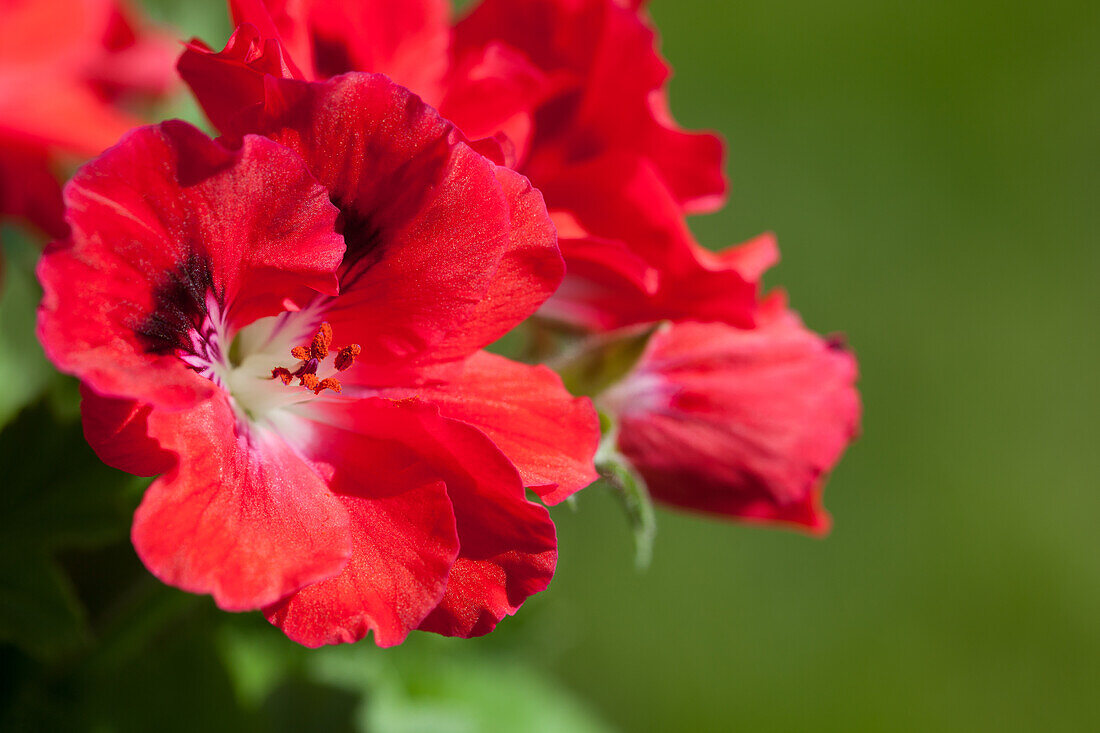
(179, 307)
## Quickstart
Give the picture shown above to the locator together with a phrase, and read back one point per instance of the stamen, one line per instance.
(328, 383)
(346, 357)
(319, 348)
(283, 374)
(309, 360)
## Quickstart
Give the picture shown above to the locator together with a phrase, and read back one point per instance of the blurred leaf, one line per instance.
(257, 662)
(38, 609)
(57, 494)
(421, 687)
(24, 371)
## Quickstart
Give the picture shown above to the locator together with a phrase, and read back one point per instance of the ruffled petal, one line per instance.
(162, 223)
(616, 100)
(507, 544)
(118, 431)
(688, 282)
(404, 543)
(741, 423)
(240, 516)
(407, 41)
(549, 435)
(230, 84)
(497, 90)
(446, 251)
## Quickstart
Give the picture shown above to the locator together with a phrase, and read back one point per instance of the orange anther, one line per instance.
(309, 381)
(283, 374)
(346, 357)
(300, 352)
(328, 383)
(319, 348)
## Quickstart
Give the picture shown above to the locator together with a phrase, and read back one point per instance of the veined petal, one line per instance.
(446, 251)
(404, 543)
(240, 516)
(691, 283)
(507, 544)
(743, 423)
(549, 435)
(162, 223)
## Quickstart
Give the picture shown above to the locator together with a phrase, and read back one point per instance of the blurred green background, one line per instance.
(932, 170)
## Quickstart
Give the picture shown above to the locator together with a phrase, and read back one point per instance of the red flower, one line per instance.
(64, 65)
(741, 423)
(346, 461)
(574, 90)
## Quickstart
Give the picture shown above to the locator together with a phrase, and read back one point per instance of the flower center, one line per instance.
(263, 366)
(311, 357)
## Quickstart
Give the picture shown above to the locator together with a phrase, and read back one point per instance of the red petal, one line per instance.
(618, 99)
(56, 55)
(118, 432)
(407, 41)
(497, 90)
(528, 273)
(548, 434)
(446, 251)
(230, 84)
(169, 213)
(741, 423)
(508, 549)
(240, 517)
(403, 546)
(29, 189)
(691, 282)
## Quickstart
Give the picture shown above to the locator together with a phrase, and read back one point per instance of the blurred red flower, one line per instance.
(67, 70)
(740, 423)
(336, 448)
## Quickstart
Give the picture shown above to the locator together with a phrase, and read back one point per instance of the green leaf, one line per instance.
(56, 495)
(447, 688)
(38, 609)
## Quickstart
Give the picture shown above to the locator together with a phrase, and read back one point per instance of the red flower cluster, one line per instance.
(574, 92)
(287, 324)
(65, 68)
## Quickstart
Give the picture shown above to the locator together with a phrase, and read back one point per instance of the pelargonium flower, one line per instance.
(735, 422)
(289, 329)
(66, 69)
(575, 91)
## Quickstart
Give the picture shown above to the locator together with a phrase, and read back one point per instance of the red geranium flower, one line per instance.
(574, 90)
(64, 67)
(740, 423)
(337, 449)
